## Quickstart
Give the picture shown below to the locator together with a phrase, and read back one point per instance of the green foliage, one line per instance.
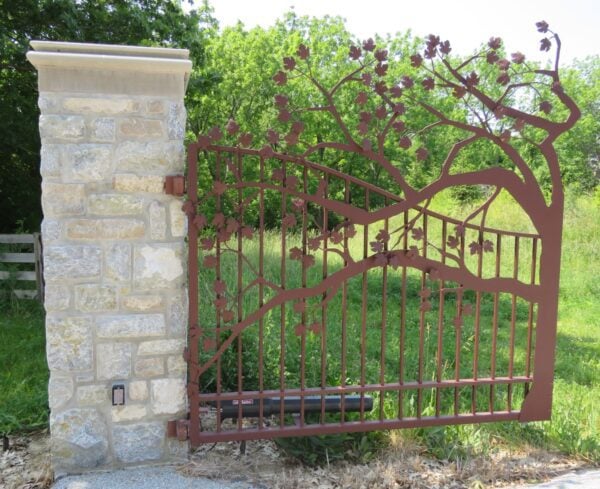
(143, 22)
(579, 149)
(23, 370)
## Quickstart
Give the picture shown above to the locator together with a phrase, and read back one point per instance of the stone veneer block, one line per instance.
(90, 105)
(161, 347)
(97, 229)
(57, 297)
(115, 204)
(138, 390)
(149, 367)
(130, 326)
(157, 266)
(139, 442)
(127, 182)
(90, 395)
(113, 361)
(112, 125)
(160, 157)
(68, 128)
(132, 412)
(168, 395)
(178, 220)
(79, 438)
(95, 298)
(60, 390)
(87, 162)
(118, 262)
(143, 303)
(69, 344)
(72, 262)
(62, 199)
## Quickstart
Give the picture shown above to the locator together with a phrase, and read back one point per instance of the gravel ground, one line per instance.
(586, 479)
(167, 477)
(143, 478)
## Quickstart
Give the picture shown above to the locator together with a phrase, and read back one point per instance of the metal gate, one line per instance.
(322, 303)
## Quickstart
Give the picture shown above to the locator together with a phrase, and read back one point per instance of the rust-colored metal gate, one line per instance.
(321, 302)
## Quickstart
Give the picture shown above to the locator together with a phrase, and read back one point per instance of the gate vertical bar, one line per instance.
(194, 329)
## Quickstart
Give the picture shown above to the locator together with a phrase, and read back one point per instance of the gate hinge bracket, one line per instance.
(175, 185)
(179, 429)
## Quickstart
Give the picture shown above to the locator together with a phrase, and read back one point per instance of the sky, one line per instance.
(466, 23)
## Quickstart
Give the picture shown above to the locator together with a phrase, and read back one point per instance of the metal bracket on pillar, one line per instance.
(175, 185)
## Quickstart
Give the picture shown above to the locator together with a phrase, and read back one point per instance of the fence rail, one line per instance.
(25, 253)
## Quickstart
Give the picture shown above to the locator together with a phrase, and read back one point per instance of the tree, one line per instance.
(140, 22)
(506, 105)
(579, 149)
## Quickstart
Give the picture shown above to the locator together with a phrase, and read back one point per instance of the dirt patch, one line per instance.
(26, 463)
(403, 465)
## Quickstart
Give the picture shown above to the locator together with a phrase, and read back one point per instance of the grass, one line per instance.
(23, 369)
(574, 433)
(575, 425)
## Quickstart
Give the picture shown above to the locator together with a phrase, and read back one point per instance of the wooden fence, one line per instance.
(22, 263)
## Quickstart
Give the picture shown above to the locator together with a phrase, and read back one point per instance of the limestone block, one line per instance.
(115, 204)
(178, 219)
(72, 262)
(95, 298)
(157, 215)
(126, 182)
(177, 315)
(139, 442)
(130, 326)
(138, 390)
(112, 106)
(176, 365)
(155, 107)
(140, 128)
(118, 262)
(96, 229)
(103, 129)
(62, 199)
(130, 412)
(143, 303)
(160, 347)
(69, 343)
(56, 297)
(91, 395)
(158, 266)
(62, 127)
(79, 439)
(85, 377)
(51, 230)
(168, 396)
(50, 160)
(149, 367)
(176, 121)
(87, 162)
(159, 157)
(49, 103)
(60, 390)
(113, 361)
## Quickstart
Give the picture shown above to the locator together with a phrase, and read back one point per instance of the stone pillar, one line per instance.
(112, 126)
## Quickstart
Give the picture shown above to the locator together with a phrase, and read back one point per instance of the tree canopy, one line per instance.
(232, 75)
(140, 22)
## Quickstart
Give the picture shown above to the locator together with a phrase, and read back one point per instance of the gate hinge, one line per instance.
(175, 185)
(179, 429)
